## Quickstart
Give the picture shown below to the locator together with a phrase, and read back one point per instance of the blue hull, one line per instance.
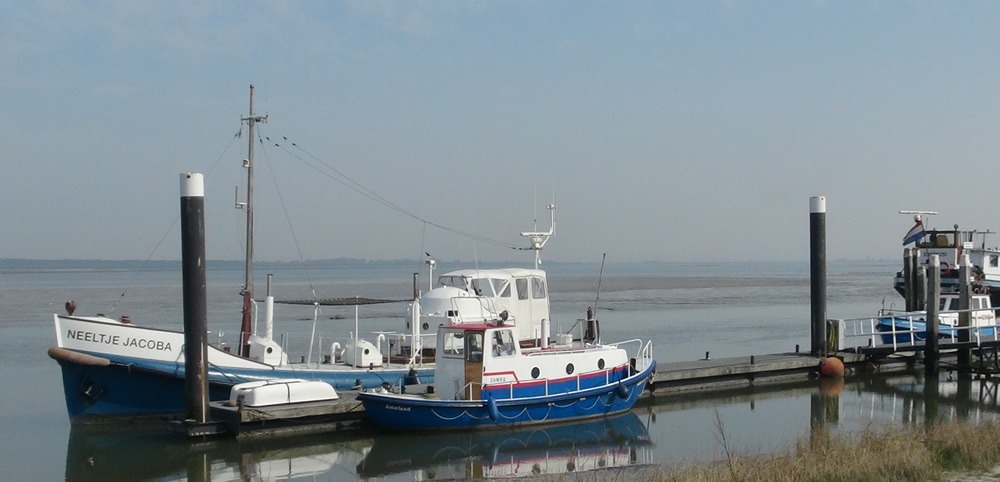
(393, 412)
(134, 387)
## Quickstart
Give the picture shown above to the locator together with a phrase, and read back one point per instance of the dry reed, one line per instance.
(939, 452)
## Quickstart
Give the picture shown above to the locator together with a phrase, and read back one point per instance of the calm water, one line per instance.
(687, 309)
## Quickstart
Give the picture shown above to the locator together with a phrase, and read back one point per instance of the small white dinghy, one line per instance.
(266, 393)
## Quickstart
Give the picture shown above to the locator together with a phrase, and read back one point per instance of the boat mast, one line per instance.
(246, 325)
(537, 239)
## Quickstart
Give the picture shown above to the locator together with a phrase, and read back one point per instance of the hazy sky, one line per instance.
(664, 130)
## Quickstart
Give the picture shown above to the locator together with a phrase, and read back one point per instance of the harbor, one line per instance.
(486, 353)
(715, 308)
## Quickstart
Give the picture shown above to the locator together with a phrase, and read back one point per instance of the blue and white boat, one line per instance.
(114, 368)
(485, 379)
(911, 327)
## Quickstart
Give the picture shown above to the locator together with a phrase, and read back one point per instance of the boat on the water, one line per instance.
(114, 368)
(908, 327)
(485, 379)
(950, 245)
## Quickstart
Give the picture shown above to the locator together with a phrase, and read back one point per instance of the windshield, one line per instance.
(453, 281)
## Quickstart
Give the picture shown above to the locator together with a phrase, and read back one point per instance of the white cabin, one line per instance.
(478, 295)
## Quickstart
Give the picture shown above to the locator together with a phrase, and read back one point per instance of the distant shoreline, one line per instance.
(13, 264)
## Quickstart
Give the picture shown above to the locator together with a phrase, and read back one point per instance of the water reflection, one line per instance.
(557, 449)
(149, 453)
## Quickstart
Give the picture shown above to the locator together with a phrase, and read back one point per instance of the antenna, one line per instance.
(537, 239)
(917, 214)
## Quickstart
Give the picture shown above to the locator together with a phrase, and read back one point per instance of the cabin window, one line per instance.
(454, 345)
(537, 288)
(501, 287)
(993, 261)
(453, 281)
(482, 287)
(474, 347)
(979, 303)
(522, 288)
(503, 343)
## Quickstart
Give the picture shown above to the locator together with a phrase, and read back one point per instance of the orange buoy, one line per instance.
(831, 367)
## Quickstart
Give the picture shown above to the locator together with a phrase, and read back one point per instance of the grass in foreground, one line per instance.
(937, 453)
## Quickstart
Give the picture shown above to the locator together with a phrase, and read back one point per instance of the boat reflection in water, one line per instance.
(102, 453)
(554, 449)
(148, 452)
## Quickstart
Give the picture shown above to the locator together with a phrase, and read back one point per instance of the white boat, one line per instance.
(114, 368)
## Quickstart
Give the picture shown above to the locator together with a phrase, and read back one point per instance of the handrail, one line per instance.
(904, 332)
(487, 306)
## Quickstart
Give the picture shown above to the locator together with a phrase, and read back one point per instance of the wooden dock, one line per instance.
(723, 373)
(715, 374)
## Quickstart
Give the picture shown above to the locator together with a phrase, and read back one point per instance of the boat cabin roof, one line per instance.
(949, 301)
(494, 273)
(469, 327)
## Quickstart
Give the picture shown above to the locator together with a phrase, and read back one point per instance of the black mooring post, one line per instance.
(817, 273)
(909, 278)
(195, 297)
(965, 316)
(931, 332)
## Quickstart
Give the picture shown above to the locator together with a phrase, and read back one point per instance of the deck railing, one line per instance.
(903, 329)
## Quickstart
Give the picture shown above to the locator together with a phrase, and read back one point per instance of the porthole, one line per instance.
(426, 326)
(366, 351)
(269, 350)
(600, 364)
(535, 372)
(569, 368)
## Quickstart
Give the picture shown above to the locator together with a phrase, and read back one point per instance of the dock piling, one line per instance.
(964, 316)
(817, 273)
(195, 297)
(909, 278)
(931, 333)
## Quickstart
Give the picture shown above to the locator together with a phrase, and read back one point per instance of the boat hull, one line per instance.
(113, 370)
(403, 413)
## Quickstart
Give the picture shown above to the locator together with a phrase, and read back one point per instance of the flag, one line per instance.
(915, 233)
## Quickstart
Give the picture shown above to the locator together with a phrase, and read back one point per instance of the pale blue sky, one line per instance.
(666, 130)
